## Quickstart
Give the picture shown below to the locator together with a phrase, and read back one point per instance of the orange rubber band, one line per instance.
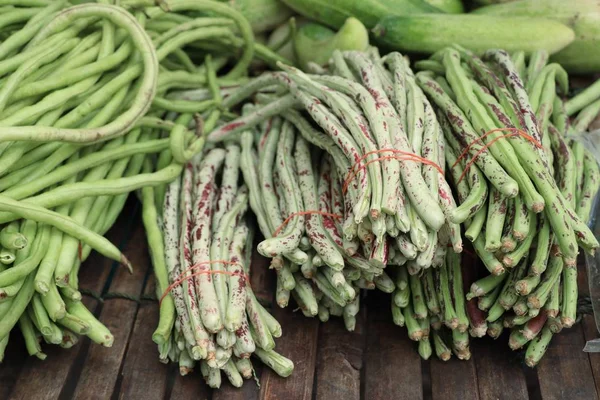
(405, 156)
(296, 214)
(514, 132)
(181, 278)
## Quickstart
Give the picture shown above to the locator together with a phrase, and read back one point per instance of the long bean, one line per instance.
(204, 191)
(65, 224)
(140, 104)
(157, 253)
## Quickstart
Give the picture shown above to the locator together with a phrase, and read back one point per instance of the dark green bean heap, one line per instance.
(527, 186)
(84, 110)
(70, 77)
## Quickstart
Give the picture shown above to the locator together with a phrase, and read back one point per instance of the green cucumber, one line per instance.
(565, 11)
(334, 13)
(449, 6)
(484, 2)
(316, 43)
(428, 33)
(583, 55)
(263, 15)
(583, 16)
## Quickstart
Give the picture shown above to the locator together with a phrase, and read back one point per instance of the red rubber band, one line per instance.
(514, 132)
(181, 278)
(405, 156)
(294, 215)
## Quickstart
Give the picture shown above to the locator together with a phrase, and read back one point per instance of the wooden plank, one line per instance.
(298, 343)
(118, 315)
(143, 376)
(499, 371)
(47, 379)
(249, 391)
(590, 331)
(14, 359)
(565, 371)
(262, 279)
(392, 364)
(340, 359)
(454, 379)
(190, 387)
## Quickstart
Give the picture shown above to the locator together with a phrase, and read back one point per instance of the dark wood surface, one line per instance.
(376, 361)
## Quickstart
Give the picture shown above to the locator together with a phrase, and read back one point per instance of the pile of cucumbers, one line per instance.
(569, 30)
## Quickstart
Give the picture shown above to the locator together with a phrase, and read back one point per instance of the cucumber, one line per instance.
(583, 16)
(280, 39)
(449, 6)
(316, 43)
(334, 13)
(583, 55)
(263, 15)
(428, 33)
(485, 2)
(563, 11)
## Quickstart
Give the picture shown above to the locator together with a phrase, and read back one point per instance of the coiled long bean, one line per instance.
(140, 104)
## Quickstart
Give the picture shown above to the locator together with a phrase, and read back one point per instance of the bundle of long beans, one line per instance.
(349, 193)
(206, 252)
(82, 106)
(506, 126)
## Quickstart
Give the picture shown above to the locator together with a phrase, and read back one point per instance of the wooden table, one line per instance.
(377, 361)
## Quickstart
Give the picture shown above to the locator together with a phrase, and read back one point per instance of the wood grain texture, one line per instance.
(46, 380)
(565, 371)
(454, 379)
(14, 359)
(588, 323)
(499, 373)
(249, 391)
(298, 343)
(189, 387)
(340, 359)
(591, 332)
(118, 315)
(262, 279)
(392, 364)
(143, 376)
